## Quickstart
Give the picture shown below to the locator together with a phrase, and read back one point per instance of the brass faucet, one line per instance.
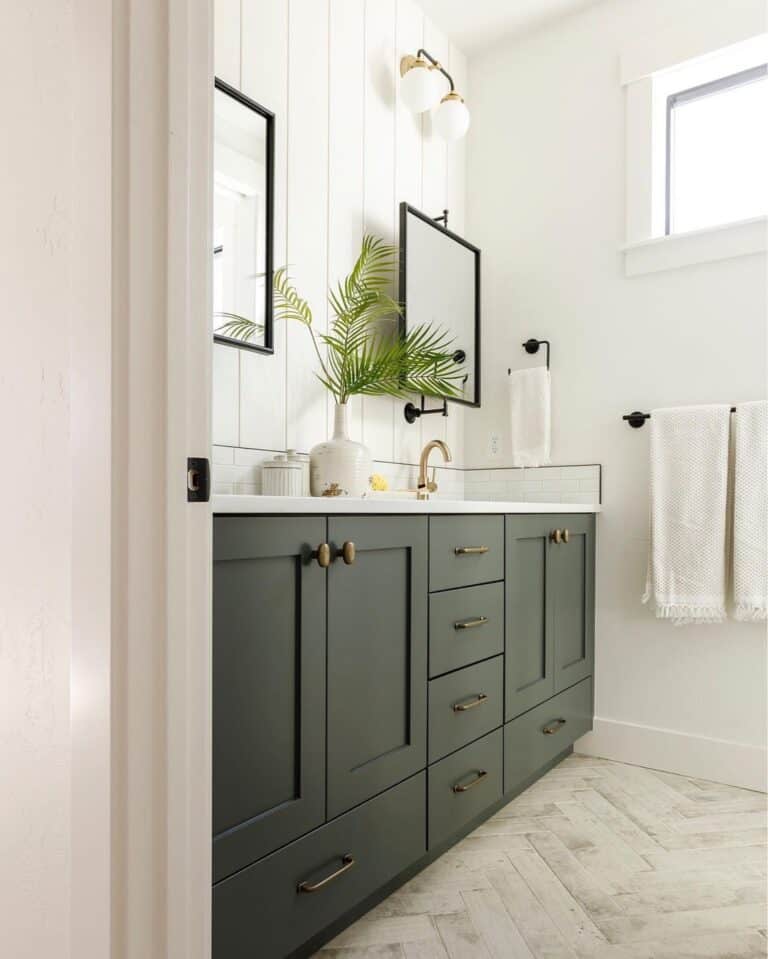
(427, 486)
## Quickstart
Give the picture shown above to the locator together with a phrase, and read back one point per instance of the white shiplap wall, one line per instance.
(347, 152)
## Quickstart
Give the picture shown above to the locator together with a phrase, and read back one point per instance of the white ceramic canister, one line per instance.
(303, 459)
(280, 477)
(340, 466)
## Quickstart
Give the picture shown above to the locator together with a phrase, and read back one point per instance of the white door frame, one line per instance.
(189, 545)
(140, 727)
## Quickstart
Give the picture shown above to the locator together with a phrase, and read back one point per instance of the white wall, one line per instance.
(347, 153)
(546, 204)
(35, 529)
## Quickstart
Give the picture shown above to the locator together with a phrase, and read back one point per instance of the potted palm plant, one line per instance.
(363, 356)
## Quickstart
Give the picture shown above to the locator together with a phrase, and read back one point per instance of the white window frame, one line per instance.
(650, 72)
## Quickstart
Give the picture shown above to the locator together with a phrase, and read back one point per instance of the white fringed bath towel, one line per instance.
(750, 512)
(689, 488)
(529, 411)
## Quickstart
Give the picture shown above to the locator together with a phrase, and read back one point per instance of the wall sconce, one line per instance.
(420, 89)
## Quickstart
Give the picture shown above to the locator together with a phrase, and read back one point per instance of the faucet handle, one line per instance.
(432, 484)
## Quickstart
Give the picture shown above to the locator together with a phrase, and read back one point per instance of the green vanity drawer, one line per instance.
(465, 550)
(465, 705)
(261, 911)
(465, 626)
(463, 785)
(536, 737)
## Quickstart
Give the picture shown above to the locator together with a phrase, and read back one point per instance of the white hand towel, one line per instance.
(529, 409)
(750, 512)
(689, 488)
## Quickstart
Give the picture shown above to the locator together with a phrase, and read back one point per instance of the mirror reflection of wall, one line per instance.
(242, 221)
(442, 277)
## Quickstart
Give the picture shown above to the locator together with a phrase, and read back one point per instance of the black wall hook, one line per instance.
(412, 413)
(532, 346)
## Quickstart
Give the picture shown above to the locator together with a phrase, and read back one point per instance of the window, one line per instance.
(717, 152)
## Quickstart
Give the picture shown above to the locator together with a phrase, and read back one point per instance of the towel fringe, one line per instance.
(748, 613)
(683, 614)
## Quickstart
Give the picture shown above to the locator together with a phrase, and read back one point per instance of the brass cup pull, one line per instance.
(470, 703)
(553, 727)
(323, 555)
(566, 535)
(463, 787)
(470, 550)
(348, 553)
(556, 536)
(347, 863)
(470, 623)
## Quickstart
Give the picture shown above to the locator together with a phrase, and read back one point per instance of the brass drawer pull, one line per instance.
(470, 703)
(566, 535)
(348, 863)
(470, 623)
(459, 788)
(323, 555)
(553, 727)
(556, 536)
(470, 550)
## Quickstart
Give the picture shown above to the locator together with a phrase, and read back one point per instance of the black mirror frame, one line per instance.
(268, 345)
(405, 209)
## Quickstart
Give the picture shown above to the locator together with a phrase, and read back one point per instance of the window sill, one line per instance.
(699, 246)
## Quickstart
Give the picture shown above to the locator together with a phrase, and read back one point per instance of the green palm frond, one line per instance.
(362, 356)
(238, 327)
(288, 304)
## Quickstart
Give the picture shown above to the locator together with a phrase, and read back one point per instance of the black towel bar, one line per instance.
(637, 419)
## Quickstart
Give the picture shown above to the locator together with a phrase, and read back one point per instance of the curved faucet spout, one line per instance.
(425, 485)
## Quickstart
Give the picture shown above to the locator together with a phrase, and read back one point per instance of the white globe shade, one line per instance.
(452, 117)
(419, 89)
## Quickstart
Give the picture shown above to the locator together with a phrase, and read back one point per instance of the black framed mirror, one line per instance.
(440, 286)
(243, 220)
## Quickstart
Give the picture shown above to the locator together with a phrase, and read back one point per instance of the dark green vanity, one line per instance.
(369, 712)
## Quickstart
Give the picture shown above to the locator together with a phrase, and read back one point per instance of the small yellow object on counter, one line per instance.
(378, 482)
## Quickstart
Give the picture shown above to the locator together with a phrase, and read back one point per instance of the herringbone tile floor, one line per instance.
(598, 860)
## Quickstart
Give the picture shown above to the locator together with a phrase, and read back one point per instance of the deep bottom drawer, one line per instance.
(463, 785)
(536, 737)
(272, 907)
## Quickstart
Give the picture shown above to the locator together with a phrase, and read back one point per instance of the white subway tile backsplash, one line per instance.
(583, 497)
(223, 455)
(248, 457)
(238, 470)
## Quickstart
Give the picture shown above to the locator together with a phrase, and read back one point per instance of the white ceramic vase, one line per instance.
(340, 466)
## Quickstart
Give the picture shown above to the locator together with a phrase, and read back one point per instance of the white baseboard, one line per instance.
(717, 760)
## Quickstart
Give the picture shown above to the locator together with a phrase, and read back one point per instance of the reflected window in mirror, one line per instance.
(440, 287)
(243, 190)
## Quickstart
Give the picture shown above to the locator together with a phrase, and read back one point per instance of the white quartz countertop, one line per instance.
(322, 505)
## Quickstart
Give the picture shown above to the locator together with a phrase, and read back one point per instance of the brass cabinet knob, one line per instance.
(323, 555)
(566, 535)
(556, 536)
(348, 553)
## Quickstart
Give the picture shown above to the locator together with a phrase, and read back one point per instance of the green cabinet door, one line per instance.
(268, 686)
(377, 656)
(573, 595)
(529, 639)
